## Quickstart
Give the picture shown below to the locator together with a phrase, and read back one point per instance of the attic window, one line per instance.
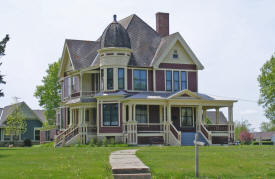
(175, 54)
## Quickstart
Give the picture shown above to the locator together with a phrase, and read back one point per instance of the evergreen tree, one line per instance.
(2, 53)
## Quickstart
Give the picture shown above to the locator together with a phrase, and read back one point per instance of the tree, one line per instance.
(245, 137)
(48, 93)
(15, 123)
(239, 127)
(267, 88)
(267, 126)
(2, 53)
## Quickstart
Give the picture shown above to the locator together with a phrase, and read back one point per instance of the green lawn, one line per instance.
(215, 161)
(164, 162)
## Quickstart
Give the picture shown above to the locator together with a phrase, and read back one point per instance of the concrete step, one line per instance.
(132, 176)
(130, 170)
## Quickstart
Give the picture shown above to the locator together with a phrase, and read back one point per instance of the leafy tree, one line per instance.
(267, 88)
(48, 93)
(2, 53)
(239, 127)
(268, 126)
(15, 123)
(245, 137)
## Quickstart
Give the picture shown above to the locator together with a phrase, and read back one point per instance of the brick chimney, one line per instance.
(162, 23)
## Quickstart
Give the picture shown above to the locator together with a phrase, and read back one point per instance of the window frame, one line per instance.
(35, 130)
(141, 114)
(170, 80)
(182, 116)
(111, 110)
(183, 81)
(176, 81)
(110, 78)
(175, 54)
(140, 80)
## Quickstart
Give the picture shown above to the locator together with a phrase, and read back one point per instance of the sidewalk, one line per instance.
(125, 165)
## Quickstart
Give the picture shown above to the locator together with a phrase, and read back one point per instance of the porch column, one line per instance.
(199, 117)
(130, 112)
(164, 113)
(169, 112)
(204, 116)
(230, 124)
(161, 113)
(71, 117)
(124, 113)
(217, 115)
(134, 112)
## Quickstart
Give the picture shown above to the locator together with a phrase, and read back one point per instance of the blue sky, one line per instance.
(232, 39)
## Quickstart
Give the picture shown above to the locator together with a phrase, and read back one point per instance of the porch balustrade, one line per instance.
(217, 127)
(150, 127)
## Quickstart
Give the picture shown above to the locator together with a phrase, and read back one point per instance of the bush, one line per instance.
(245, 137)
(27, 143)
(263, 143)
(99, 143)
(92, 143)
(105, 142)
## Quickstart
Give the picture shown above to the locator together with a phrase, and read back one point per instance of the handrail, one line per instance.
(62, 134)
(73, 133)
(206, 133)
(175, 132)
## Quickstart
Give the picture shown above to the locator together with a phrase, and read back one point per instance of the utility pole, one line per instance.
(196, 156)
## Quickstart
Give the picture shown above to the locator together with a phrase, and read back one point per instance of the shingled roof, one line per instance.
(144, 43)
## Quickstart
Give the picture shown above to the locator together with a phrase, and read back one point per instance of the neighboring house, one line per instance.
(34, 120)
(139, 86)
(264, 136)
(47, 135)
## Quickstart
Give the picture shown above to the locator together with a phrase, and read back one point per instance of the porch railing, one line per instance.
(175, 132)
(217, 127)
(91, 129)
(150, 127)
(66, 135)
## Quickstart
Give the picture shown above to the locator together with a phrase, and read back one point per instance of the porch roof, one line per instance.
(81, 100)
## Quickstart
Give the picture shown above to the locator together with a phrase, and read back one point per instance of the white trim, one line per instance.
(110, 102)
(133, 86)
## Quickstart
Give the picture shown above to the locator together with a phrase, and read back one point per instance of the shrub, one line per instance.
(99, 143)
(105, 142)
(112, 141)
(27, 143)
(245, 137)
(263, 143)
(92, 143)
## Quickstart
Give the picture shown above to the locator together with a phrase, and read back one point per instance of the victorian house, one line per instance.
(138, 85)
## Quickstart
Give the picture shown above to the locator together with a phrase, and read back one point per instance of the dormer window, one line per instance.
(175, 54)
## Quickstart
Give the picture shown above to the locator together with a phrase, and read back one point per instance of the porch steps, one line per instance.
(187, 138)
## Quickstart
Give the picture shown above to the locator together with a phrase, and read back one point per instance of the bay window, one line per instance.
(140, 79)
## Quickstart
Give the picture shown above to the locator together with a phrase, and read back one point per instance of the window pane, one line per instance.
(110, 114)
(110, 78)
(176, 80)
(183, 80)
(140, 79)
(102, 80)
(120, 78)
(141, 114)
(168, 80)
(187, 116)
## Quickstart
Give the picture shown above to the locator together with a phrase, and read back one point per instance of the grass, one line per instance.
(164, 162)
(214, 161)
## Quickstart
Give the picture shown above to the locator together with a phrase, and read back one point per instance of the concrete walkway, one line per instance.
(126, 165)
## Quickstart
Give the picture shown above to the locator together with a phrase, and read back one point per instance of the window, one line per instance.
(48, 136)
(176, 81)
(140, 79)
(102, 79)
(37, 134)
(96, 81)
(141, 114)
(110, 76)
(87, 113)
(68, 116)
(187, 117)
(120, 78)
(110, 114)
(183, 80)
(175, 54)
(168, 80)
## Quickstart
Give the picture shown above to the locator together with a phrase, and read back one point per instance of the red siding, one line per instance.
(129, 79)
(150, 80)
(178, 66)
(192, 81)
(160, 83)
(110, 129)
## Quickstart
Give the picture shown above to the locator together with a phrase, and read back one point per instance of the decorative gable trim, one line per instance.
(63, 62)
(167, 44)
(185, 93)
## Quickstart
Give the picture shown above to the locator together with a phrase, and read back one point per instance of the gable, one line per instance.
(166, 46)
(184, 94)
(66, 63)
(183, 57)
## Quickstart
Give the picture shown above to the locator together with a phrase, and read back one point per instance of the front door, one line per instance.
(175, 116)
